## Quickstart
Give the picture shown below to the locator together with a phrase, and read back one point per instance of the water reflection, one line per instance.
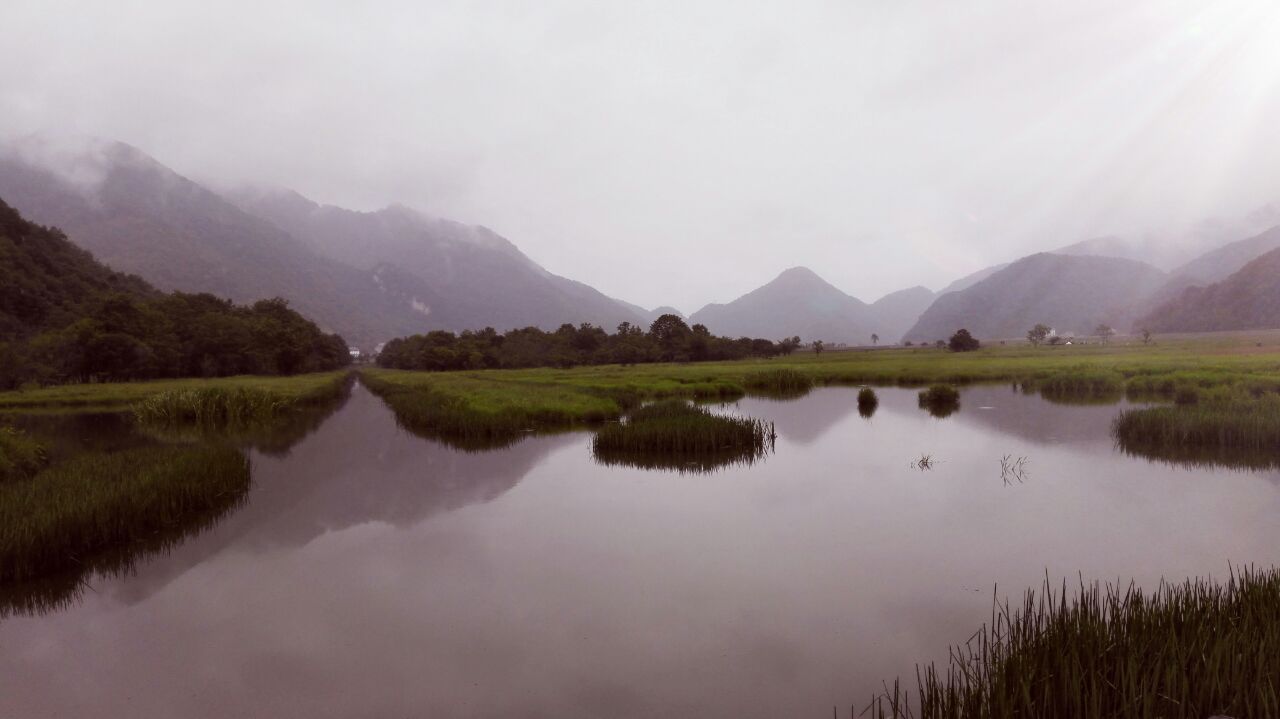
(376, 573)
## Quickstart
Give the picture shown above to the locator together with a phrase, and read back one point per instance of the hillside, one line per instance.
(46, 282)
(896, 312)
(972, 279)
(64, 316)
(1070, 293)
(1213, 266)
(796, 302)
(1248, 299)
(477, 277)
(139, 217)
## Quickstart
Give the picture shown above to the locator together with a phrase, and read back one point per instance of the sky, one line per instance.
(686, 152)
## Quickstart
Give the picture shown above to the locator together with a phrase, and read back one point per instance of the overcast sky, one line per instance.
(686, 152)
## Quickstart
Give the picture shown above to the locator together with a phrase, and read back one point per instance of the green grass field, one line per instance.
(604, 392)
(121, 395)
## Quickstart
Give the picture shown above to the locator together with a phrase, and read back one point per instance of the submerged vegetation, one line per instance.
(63, 516)
(1185, 651)
(674, 434)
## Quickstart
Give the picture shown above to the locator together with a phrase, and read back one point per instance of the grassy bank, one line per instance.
(1184, 651)
(66, 514)
(122, 395)
(499, 405)
(674, 434)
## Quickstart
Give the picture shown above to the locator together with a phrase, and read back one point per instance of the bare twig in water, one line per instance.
(925, 463)
(1013, 470)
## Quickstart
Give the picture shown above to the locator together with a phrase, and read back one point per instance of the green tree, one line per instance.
(1038, 334)
(962, 341)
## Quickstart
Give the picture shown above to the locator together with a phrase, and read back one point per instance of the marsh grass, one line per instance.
(940, 400)
(1081, 385)
(1184, 651)
(676, 435)
(20, 455)
(238, 407)
(1239, 429)
(60, 518)
(781, 383)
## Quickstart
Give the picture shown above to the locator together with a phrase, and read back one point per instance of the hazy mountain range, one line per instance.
(802, 303)
(371, 276)
(367, 276)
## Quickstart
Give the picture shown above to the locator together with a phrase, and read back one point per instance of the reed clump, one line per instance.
(675, 434)
(20, 455)
(940, 400)
(1237, 422)
(211, 407)
(99, 501)
(783, 381)
(1184, 651)
(1081, 385)
(867, 402)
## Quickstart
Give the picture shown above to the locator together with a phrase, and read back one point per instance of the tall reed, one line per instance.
(20, 455)
(1189, 650)
(99, 501)
(674, 434)
(1239, 424)
(784, 382)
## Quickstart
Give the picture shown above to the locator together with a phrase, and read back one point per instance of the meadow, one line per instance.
(122, 395)
(507, 402)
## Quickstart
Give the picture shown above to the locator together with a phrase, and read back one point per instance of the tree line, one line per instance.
(177, 335)
(668, 339)
(65, 317)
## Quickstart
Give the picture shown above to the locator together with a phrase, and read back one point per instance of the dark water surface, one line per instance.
(373, 573)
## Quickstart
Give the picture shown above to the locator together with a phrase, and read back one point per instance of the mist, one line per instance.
(683, 153)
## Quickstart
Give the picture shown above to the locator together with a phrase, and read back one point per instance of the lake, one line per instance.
(375, 573)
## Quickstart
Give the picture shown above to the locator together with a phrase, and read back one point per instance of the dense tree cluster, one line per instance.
(668, 339)
(66, 317)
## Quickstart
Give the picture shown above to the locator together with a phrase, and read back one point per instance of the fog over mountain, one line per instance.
(676, 154)
(1244, 300)
(1071, 293)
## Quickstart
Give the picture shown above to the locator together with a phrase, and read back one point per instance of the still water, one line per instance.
(374, 573)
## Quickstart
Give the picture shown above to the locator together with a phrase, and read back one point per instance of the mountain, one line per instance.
(64, 316)
(1248, 299)
(970, 280)
(796, 302)
(140, 217)
(477, 277)
(46, 282)
(896, 312)
(1067, 292)
(1217, 265)
(1213, 266)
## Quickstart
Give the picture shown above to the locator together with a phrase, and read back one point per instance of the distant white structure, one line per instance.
(355, 353)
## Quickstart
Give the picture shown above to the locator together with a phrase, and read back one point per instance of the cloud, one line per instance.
(679, 153)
